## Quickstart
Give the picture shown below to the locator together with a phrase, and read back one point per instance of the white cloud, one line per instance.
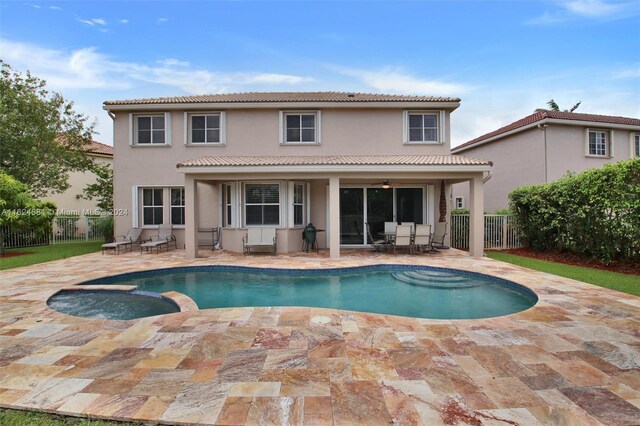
(630, 72)
(35, 6)
(172, 62)
(593, 8)
(586, 9)
(394, 80)
(55, 8)
(162, 20)
(93, 22)
(124, 21)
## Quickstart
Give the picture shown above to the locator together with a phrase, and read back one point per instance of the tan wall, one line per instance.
(518, 160)
(68, 202)
(255, 132)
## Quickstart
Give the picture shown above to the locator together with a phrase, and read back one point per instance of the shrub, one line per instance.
(596, 212)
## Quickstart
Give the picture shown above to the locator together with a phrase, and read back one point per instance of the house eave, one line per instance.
(332, 169)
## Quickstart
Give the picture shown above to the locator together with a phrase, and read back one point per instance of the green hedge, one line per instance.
(596, 212)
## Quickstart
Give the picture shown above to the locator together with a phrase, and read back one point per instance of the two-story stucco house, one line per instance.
(338, 160)
(543, 147)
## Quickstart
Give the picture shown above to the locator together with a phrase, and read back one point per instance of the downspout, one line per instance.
(487, 177)
(543, 127)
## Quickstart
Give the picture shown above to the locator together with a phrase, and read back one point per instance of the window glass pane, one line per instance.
(213, 121)
(144, 136)
(147, 216)
(177, 215)
(297, 215)
(228, 221)
(430, 120)
(271, 215)
(297, 193)
(592, 137)
(158, 136)
(144, 123)
(430, 135)
(293, 135)
(158, 122)
(197, 122)
(177, 197)
(157, 215)
(157, 197)
(415, 120)
(308, 135)
(197, 136)
(415, 135)
(253, 193)
(271, 193)
(293, 121)
(254, 215)
(147, 197)
(213, 136)
(308, 121)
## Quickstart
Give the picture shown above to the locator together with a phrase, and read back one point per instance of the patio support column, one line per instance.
(476, 219)
(191, 219)
(334, 217)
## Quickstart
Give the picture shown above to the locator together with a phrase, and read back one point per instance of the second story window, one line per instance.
(598, 143)
(300, 127)
(150, 129)
(636, 145)
(205, 128)
(422, 127)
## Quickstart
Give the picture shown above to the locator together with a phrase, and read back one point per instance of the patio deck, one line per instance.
(574, 358)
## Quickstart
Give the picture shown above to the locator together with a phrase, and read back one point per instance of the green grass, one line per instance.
(30, 418)
(47, 253)
(614, 280)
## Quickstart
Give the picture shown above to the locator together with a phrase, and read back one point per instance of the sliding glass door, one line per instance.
(352, 216)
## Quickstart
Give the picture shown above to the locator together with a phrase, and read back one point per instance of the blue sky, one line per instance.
(503, 58)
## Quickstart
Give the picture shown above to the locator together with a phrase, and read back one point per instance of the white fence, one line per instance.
(64, 229)
(500, 231)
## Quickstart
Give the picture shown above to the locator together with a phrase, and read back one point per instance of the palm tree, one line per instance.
(553, 106)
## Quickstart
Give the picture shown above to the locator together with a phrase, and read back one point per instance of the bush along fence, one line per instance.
(62, 229)
(596, 213)
(500, 231)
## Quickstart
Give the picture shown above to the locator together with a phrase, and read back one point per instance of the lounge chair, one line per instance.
(422, 239)
(376, 244)
(403, 238)
(438, 236)
(259, 238)
(164, 237)
(132, 237)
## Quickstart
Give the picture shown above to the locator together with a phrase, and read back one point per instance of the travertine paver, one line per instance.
(574, 358)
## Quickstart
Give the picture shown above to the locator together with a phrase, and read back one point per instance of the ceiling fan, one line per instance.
(385, 184)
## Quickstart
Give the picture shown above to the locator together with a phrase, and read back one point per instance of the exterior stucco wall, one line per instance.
(516, 162)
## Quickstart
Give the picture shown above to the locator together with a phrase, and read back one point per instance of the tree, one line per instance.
(19, 210)
(42, 138)
(102, 190)
(553, 106)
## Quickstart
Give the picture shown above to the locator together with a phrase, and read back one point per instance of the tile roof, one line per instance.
(557, 115)
(336, 160)
(96, 147)
(257, 97)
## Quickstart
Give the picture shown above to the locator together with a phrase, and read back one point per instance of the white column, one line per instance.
(334, 217)
(191, 216)
(476, 219)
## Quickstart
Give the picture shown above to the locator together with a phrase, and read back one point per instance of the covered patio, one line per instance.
(340, 195)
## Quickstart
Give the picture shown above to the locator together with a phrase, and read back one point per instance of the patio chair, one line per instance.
(376, 244)
(412, 224)
(403, 238)
(259, 238)
(438, 236)
(422, 239)
(390, 227)
(132, 237)
(164, 237)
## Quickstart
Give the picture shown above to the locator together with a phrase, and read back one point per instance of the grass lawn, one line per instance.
(28, 418)
(47, 253)
(613, 280)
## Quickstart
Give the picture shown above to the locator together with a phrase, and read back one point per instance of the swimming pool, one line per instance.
(413, 291)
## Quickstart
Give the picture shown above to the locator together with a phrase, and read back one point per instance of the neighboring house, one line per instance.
(543, 147)
(71, 201)
(337, 160)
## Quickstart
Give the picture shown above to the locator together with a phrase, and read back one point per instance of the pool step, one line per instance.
(435, 279)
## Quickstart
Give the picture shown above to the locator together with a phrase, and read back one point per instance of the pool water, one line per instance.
(422, 292)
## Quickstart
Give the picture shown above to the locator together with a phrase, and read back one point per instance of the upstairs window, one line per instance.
(636, 145)
(150, 130)
(422, 127)
(300, 127)
(262, 204)
(598, 143)
(152, 206)
(177, 206)
(205, 128)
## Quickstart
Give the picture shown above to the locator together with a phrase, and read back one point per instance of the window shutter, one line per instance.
(131, 129)
(134, 206)
(611, 143)
(223, 128)
(586, 142)
(186, 128)
(167, 128)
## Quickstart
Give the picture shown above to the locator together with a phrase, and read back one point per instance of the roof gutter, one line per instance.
(311, 169)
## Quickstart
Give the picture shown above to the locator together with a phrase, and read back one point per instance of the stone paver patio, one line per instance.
(574, 358)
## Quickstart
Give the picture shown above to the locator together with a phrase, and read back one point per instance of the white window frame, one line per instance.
(283, 127)
(188, 135)
(281, 199)
(152, 206)
(133, 129)
(228, 205)
(458, 205)
(172, 206)
(634, 150)
(608, 143)
(292, 204)
(439, 128)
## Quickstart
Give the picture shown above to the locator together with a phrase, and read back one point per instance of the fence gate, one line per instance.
(500, 232)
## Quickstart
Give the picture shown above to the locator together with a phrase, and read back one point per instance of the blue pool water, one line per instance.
(422, 292)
